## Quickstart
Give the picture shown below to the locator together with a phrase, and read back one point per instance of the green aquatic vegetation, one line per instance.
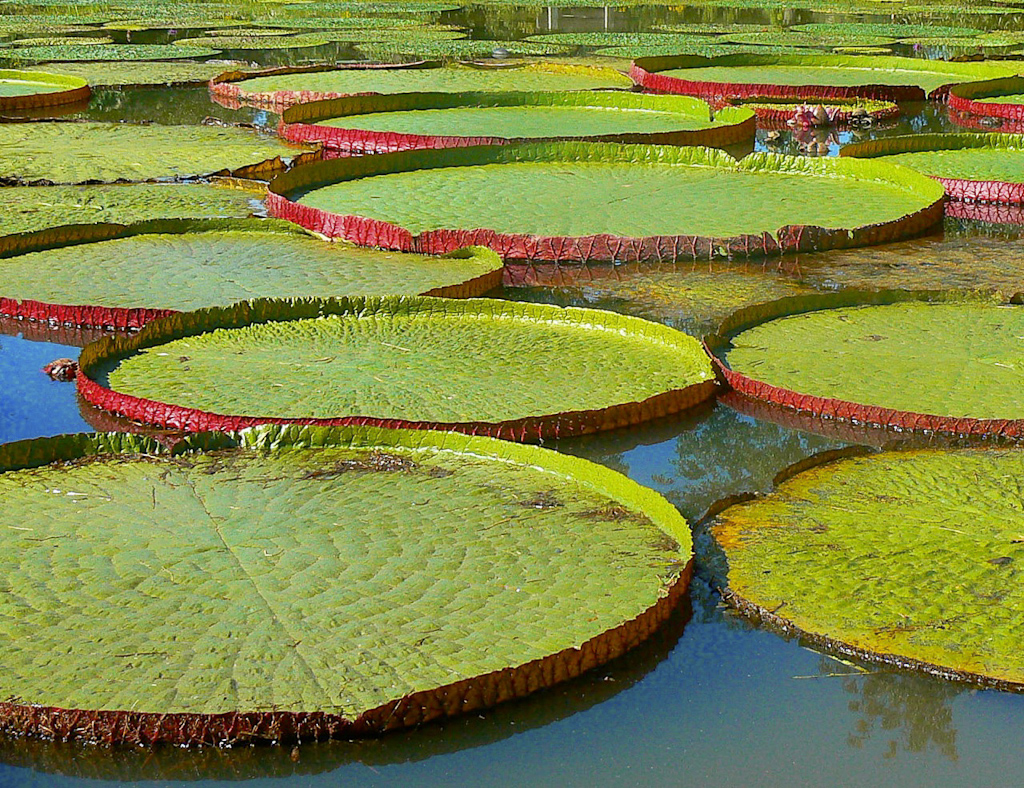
(621, 39)
(24, 83)
(33, 208)
(710, 49)
(189, 265)
(797, 38)
(464, 48)
(450, 79)
(579, 190)
(349, 22)
(111, 52)
(78, 152)
(254, 42)
(307, 570)
(889, 30)
(142, 73)
(946, 359)
(58, 41)
(909, 555)
(419, 360)
(1012, 98)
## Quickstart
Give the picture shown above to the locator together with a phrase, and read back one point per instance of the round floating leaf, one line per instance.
(995, 98)
(21, 90)
(110, 52)
(710, 49)
(33, 208)
(77, 152)
(302, 583)
(182, 265)
(889, 30)
(988, 167)
(712, 28)
(887, 360)
(351, 22)
(59, 41)
(798, 39)
(254, 42)
(284, 87)
(464, 48)
(592, 201)
(824, 76)
(382, 123)
(908, 558)
(468, 365)
(142, 73)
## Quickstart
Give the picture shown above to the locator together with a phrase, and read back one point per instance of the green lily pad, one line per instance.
(304, 583)
(977, 157)
(253, 42)
(837, 70)
(583, 189)
(711, 49)
(463, 48)
(111, 52)
(543, 115)
(886, 29)
(957, 360)
(32, 208)
(1010, 98)
(190, 264)
(59, 41)
(454, 79)
(905, 557)
(468, 364)
(797, 38)
(141, 73)
(31, 89)
(77, 152)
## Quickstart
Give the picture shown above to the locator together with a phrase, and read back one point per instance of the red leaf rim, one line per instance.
(1002, 192)
(299, 124)
(844, 410)
(529, 429)
(963, 98)
(581, 249)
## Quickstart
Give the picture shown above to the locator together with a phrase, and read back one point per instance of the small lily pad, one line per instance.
(110, 52)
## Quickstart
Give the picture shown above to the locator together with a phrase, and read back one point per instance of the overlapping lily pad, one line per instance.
(906, 558)
(241, 41)
(406, 121)
(818, 76)
(914, 361)
(71, 152)
(595, 201)
(299, 584)
(109, 52)
(33, 208)
(112, 275)
(30, 89)
(468, 365)
(982, 167)
(888, 29)
(996, 98)
(458, 49)
(281, 88)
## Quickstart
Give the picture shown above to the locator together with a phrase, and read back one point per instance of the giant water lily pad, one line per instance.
(111, 52)
(288, 86)
(887, 29)
(383, 123)
(296, 584)
(594, 201)
(986, 167)
(180, 265)
(457, 49)
(908, 558)
(241, 41)
(937, 364)
(77, 152)
(30, 89)
(818, 76)
(468, 365)
(142, 73)
(33, 208)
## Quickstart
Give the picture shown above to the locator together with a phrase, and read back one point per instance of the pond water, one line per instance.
(710, 699)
